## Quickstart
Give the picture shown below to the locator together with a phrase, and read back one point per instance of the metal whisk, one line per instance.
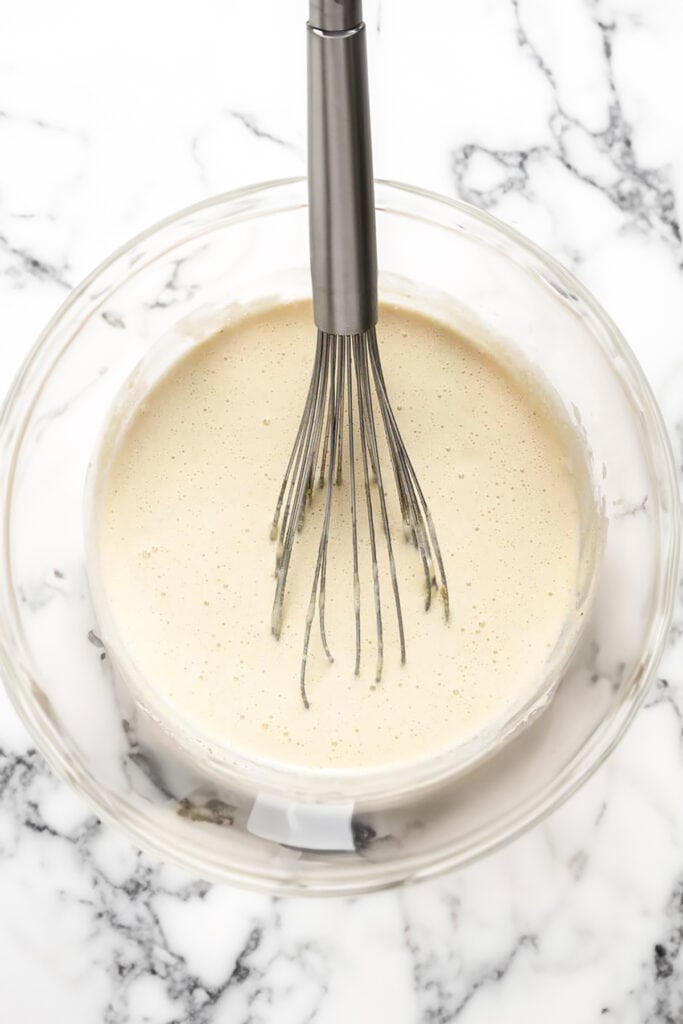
(347, 396)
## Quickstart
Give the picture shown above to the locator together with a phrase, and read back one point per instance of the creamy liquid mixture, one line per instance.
(187, 564)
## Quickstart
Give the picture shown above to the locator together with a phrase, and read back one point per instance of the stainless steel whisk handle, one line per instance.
(340, 182)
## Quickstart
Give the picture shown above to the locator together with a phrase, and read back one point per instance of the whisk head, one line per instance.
(347, 399)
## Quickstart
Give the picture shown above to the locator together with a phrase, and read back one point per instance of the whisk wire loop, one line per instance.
(347, 387)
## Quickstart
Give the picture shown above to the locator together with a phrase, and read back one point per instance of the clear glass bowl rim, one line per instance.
(147, 834)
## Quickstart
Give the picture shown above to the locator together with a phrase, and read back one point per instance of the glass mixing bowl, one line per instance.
(253, 245)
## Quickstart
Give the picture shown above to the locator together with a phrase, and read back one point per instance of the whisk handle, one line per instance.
(340, 183)
(335, 15)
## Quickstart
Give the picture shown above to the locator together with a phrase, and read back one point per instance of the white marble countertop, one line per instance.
(563, 118)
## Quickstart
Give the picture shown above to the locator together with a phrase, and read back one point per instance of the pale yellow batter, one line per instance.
(187, 564)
